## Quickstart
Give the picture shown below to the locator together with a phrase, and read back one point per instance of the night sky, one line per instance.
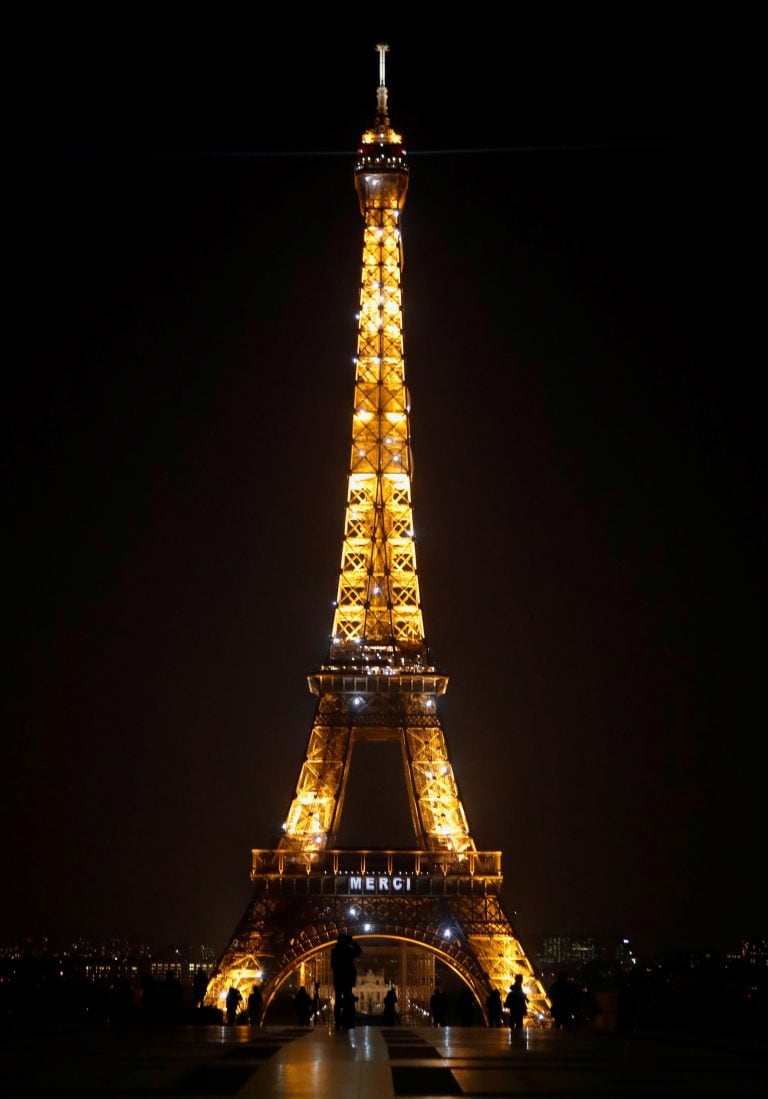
(581, 307)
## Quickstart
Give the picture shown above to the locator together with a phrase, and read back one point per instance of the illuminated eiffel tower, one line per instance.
(378, 684)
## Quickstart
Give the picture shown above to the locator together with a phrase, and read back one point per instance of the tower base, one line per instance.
(433, 900)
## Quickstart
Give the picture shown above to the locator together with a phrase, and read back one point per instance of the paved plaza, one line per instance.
(372, 1062)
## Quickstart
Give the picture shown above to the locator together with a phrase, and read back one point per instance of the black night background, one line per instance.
(581, 297)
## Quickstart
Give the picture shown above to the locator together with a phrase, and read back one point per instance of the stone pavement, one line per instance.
(372, 1062)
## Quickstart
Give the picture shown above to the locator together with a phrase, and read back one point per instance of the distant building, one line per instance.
(106, 961)
(752, 951)
(370, 990)
(411, 970)
(554, 953)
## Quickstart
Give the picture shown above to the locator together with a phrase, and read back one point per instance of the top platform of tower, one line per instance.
(381, 170)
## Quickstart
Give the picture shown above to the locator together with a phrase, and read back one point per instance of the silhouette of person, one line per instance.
(318, 1011)
(516, 1004)
(495, 1012)
(123, 1001)
(626, 1016)
(390, 1011)
(234, 1000)
(303, 1002)
(465, 1005)
(438, 1005)
(561, 998)
(171, 996)
(150, 998)
(255, 1006)
(199, 987)
(344, 954)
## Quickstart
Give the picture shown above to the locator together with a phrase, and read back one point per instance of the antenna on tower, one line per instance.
(381, 92)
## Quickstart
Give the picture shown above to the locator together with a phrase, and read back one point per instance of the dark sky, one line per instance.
(588, 425)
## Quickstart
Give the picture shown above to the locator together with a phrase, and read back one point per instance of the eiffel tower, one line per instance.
(442, 895)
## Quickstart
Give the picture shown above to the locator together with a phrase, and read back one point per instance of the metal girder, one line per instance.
(470, 934)
(378, 594)
(345, 718)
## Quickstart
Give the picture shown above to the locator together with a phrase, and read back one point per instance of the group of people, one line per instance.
(560, 997)
(234, 1004)
(309, 1009)
(344, 955)
(516, 1004)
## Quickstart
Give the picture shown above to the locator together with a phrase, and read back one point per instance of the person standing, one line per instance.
(303, 1002)
(318, 1011)
(390, 1010)
(234, 1000)
(438, 1006)
(516, 1004)
(495, 1012)
(199, 987)
(465, 1005)
(344, 955)
(561, 998)
(255, 1006)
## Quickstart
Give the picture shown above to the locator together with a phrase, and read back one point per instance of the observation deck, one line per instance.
(370, 872)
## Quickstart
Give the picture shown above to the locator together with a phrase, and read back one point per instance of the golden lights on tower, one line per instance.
(378, 684)
(378, 630)
(378, 610)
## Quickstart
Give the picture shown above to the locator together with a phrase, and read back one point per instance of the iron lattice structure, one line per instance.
(378, 684)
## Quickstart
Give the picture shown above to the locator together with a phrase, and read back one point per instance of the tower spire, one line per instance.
(382, 132)
(382, 110)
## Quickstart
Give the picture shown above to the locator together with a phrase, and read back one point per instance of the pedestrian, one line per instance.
(438, 1006)
(495, 1011)
(318, 1011)
(199, 986)
(234, 1000)
(561, 999)
(255, 1006)
(123, 1000)
(171, 997)
(303, 1002)
(465, 1005)
(626, 1015)
(516, 1004)
(344, 955)
(390, 1010)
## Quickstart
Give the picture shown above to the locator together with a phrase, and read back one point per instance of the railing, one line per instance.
(375, 863)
